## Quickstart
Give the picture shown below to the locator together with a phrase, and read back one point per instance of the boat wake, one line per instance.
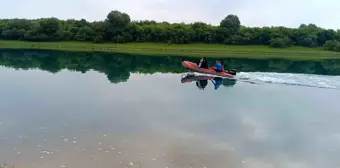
(306, 80)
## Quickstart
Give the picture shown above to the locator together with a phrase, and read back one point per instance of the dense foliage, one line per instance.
(117, 67)
(119, 28)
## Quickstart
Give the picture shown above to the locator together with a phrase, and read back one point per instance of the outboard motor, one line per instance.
(232, 71)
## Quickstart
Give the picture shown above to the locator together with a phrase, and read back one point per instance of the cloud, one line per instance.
(157, 115)
(289, 13)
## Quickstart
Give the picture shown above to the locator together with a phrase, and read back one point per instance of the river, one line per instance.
(66, 109)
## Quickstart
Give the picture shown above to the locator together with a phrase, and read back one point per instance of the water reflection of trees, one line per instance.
(118, 67)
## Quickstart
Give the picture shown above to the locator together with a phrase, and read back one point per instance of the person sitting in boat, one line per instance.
(222, 63)
(218, 66)
(203, 63)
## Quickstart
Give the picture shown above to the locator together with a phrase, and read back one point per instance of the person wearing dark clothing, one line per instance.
(202, 63)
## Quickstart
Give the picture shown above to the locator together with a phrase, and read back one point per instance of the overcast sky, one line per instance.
(288, 13)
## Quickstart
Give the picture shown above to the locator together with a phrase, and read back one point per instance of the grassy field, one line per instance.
(199, 50)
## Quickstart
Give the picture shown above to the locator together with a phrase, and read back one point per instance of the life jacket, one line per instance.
(200, 63)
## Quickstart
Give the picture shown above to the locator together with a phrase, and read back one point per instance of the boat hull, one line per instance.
(193, 67)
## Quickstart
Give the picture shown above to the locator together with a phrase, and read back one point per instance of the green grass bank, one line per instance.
(199, 50)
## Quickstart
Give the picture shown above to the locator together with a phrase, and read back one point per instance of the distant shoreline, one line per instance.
(195, 50)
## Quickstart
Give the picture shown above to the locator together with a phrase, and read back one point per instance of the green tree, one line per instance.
(325, 35)
(114, 23)
(232, 24)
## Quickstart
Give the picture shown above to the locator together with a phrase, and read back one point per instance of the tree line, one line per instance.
(118, 27)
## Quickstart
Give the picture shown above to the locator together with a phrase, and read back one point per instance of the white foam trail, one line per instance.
(308, 80)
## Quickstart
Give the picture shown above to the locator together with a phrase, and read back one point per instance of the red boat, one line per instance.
(193, 67)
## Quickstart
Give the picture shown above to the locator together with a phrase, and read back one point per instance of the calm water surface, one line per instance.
(60, 110)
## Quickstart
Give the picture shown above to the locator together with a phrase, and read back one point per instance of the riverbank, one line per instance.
(208, 50)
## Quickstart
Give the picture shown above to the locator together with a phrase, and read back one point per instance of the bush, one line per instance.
(280, 42)
(337, 47)
(332, 45)
(98, 39)
(307, 42)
